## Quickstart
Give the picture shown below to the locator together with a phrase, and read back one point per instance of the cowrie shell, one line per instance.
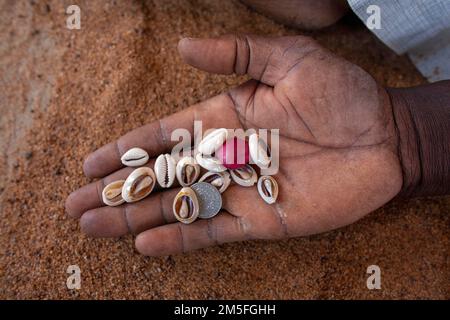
(185, 206)
(187, 171)
(135, 157)
(220, 180)
(268, 189)
(165, 170)
(112, 193)
(212, 141)
(245, 176)
(258, 151)
(210, 163)
(139, 184)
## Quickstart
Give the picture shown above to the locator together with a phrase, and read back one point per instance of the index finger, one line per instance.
(155, 137)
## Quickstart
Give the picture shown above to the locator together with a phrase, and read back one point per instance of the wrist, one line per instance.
(422, 118)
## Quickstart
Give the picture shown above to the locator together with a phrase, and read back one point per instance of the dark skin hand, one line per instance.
(304, 14)
(338, 148)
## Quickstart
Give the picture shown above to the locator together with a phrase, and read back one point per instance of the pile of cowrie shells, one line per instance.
(200, 196)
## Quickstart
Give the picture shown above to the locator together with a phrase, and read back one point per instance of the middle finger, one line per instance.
(89, 196)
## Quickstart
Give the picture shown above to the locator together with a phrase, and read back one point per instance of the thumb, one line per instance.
(267, 59)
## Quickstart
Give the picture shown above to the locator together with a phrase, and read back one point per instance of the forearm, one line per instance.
(422, 116)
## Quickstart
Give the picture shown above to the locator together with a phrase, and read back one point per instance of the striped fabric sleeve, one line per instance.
(420, 28)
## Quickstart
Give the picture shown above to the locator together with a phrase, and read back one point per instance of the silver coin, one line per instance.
(209, 199)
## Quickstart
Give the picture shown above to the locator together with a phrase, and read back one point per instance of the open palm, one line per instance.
(338, 148)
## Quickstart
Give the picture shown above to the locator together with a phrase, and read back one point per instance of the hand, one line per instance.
(305, 14)
(338, 148)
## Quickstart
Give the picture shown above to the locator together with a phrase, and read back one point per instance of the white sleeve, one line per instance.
(420, 28)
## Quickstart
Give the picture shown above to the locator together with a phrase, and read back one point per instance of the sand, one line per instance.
(63, 93)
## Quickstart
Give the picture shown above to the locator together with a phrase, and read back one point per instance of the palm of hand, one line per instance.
(338, 143)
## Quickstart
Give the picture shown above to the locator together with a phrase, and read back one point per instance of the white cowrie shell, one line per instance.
(212, 141)
(245, 176)
(186, 206)
(165, 170)
(135, 157)
(220, 180)
(187, 171)
(210, 163)
(112, 193)
(139, 184)
(258, 151)
(268, 189)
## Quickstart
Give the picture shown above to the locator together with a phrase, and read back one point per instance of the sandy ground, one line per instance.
(63, 93)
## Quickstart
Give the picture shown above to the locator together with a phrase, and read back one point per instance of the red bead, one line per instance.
(233, 153)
